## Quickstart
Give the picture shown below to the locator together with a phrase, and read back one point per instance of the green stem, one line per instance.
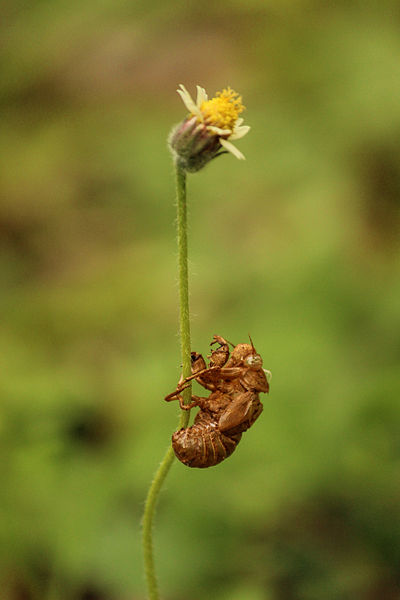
(184, 320)
(155, 487)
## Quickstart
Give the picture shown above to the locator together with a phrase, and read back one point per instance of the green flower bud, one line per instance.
(192, 145)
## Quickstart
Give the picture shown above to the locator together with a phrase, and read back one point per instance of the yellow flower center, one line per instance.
(223, 110)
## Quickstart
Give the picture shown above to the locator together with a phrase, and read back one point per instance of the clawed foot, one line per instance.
(217, 339)
(177, 392)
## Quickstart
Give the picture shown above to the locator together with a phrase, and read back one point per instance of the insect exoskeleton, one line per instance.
(203, 445)
(235, 380)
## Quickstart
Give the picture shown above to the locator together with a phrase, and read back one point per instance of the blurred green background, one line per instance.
(297, 246)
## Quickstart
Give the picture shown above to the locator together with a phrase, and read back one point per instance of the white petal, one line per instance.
(201, 96)
(239, 132)
(218, 130)
(188, 102)
(231, 148)
(238, 122)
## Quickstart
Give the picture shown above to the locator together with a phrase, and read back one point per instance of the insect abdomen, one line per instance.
(203, 445)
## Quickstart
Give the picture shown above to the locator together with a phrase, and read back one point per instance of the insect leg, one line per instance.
(175, 394)
(196, 400)
(217, 339)
(220, 356)
(229, 373)
(187, 406)
(184, 383)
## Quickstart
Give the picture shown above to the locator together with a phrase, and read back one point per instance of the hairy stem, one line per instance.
(155, 487)
(184, 320)
(148, 516)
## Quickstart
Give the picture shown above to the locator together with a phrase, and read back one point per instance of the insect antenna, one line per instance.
(252, 345)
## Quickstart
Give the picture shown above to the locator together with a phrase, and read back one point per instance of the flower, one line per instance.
(219, 115)
(209, 129)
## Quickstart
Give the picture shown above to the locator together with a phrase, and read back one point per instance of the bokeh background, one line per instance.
(297, 246)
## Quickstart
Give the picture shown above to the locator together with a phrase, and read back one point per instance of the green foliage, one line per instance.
(298, 246)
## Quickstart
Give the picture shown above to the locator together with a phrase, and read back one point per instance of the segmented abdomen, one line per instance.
(203, 445)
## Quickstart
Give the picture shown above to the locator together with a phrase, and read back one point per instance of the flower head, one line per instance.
(209, 129)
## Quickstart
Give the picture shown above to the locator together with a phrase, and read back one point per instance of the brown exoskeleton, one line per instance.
(234, 380)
